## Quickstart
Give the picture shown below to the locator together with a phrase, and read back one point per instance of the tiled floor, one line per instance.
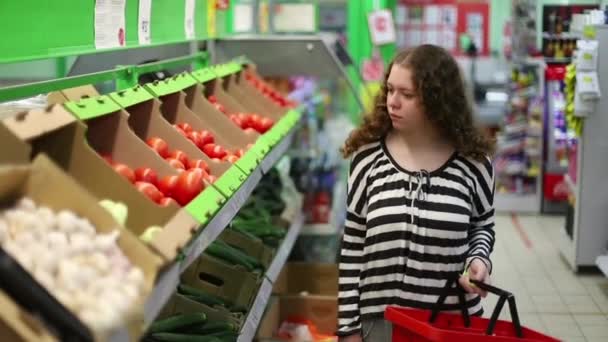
(550, 297)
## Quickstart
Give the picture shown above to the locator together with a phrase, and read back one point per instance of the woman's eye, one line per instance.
(390, 91)
(408, 96)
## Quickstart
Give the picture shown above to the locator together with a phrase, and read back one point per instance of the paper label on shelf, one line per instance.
(243, 17)
(189, 19)
(144, 21)
(110, 24)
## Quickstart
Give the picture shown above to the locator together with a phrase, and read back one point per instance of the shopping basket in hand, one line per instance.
(413, 325)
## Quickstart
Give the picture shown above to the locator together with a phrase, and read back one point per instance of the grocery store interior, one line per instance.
(170, 169)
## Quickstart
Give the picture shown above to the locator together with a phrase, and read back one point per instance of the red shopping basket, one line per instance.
(414, 325)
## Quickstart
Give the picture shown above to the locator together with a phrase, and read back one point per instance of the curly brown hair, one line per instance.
(439, 83)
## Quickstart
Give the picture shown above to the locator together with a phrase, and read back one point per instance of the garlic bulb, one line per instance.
(85, 270)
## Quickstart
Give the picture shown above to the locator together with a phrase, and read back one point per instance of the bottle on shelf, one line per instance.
(558, 50)
(549, 49)
(559, 25)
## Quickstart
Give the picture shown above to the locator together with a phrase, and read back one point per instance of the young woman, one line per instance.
(420, 197)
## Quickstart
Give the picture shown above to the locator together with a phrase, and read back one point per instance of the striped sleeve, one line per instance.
(351, 256)
(481, 233)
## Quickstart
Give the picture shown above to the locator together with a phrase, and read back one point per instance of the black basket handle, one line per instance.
(504, 296)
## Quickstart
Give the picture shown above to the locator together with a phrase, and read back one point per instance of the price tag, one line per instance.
(189, 19)
(381, 27)
(109, 24)
(144, 22)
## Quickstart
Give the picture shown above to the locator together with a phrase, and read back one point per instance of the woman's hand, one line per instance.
(352, 338)
(477, 271)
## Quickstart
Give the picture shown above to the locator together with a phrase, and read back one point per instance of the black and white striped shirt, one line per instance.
(407, 232)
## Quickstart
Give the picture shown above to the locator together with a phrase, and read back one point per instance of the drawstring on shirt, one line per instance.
(422, 177)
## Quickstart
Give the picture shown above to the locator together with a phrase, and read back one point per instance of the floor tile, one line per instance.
(549, 304)
(581, 304)
(595, 331)
(582, 319)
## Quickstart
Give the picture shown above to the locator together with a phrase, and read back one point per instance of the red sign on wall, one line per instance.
(222, 4)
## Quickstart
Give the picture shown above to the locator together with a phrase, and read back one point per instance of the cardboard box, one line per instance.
(312, 278)
(46, 184)
(196, 100)
(69, 143)
(322, 311)
(179, 304)
(13, 150)
(255, 248)
(250, 90)
(18, 325)
(237, 87)
(216, 277)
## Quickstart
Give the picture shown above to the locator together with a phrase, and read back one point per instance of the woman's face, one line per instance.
(402, 100)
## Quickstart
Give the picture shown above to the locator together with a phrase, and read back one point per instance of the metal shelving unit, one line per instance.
(590, 230)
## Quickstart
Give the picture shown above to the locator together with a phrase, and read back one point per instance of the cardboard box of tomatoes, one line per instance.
(243, 150)
(103, 155)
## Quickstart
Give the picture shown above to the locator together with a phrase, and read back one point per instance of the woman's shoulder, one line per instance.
(366, 153)
(479, 168)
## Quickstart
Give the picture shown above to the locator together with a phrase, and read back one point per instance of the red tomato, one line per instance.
(179, 155)
(236, 120)
(107, 158)
(195, 137)
(211, 179)
(220, 107)
(146, 174)
(251, 130)
(266, 124)
(186, 127)
(255, 121)
(149, 190)
(198, 164)
(176, 164)
(231, 158)
(245, 120)
(214, 151)
(167, 185)
(239, 153)
(189, 185)
(125, 171)
(206, 137)
(166, 201)
(212, 98)
(158, 145)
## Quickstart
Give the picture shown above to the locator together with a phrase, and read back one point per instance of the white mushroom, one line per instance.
(47, 217)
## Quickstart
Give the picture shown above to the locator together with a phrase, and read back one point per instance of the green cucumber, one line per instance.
(214, 327)
(173, 337)
(244, 232)
(202, 297)
(177, 322)
(224, 252)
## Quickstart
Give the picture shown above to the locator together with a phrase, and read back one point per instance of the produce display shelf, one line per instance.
(259, 304)
(169, 279)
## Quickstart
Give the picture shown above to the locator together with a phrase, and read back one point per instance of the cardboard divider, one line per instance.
(233, 284)
(228, 135)
(250, 90)
(146, 121)
(253, 248)
(216, 87)
(200, 105)
(57, 133)
(313, 278)
(18, 325)
(46, 184)
(14, 151)
(236, 87)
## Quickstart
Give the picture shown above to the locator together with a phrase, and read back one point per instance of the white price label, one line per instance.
(189, 19)
(110, 24)
(144, 22)
(381, 27)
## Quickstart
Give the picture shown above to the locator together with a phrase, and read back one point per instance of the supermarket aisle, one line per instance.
(550, 297)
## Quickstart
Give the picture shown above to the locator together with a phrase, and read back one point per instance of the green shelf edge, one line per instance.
(229, 182)
(131, 96)
(206, 205)
(94, 107)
